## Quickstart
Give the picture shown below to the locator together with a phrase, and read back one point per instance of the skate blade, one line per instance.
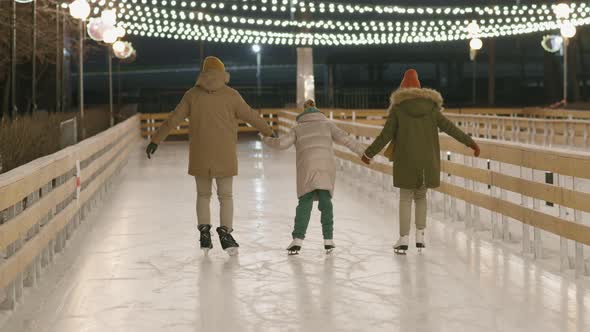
(293, 252)
(232, 251)
(420, 247)
(401, 250)
(329, 250)
(206, 251)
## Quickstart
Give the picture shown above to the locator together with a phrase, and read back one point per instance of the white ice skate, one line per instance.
(420, 240)
(294, 247)
(401, 246)
(329, 246)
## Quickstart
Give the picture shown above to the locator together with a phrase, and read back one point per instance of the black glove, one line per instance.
(151, 149)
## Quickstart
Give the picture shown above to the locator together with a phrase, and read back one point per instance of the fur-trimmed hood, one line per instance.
(212, 80)
(401, 95)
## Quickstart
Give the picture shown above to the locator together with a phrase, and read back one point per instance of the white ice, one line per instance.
(135, 265)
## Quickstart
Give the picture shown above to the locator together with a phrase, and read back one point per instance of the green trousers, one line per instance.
(303, 214)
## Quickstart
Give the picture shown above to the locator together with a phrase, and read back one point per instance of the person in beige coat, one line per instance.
(213, 110)
(313, 138)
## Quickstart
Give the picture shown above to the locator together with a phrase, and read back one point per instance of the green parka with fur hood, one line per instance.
(413, 125)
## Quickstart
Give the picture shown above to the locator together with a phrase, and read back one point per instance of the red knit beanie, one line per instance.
(410, 80)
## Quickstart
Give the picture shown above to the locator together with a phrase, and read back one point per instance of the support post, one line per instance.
(57, 60)
(81, 78)
(13, 63)
(110, 62)
(474, 83)
(305, 78)
(34, 61)
(565, 47)
(258, 78)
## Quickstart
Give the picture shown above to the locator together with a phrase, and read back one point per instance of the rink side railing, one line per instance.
(507, 180)
(547, 127)
(530, 126)
(151, 122)
(43, 202)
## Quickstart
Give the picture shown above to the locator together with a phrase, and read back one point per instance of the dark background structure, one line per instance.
(511, 71)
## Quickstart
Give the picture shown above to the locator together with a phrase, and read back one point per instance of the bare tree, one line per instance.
(53, 24)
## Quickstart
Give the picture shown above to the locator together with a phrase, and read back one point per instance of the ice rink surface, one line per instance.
(136, 267)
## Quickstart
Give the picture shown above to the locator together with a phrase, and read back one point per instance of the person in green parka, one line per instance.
(413, 127)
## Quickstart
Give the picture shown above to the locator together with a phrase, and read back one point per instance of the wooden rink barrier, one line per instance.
(529, 125)
(150, 122)
(507, 183)
(545, 127)
(42, 203)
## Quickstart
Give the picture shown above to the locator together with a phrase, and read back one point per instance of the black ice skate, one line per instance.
(227, 241)
(329, 246)
(205, 240)
(294, 247)
(401, 246)
(420, 240)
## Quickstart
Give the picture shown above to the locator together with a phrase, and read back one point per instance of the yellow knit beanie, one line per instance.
(213, 63)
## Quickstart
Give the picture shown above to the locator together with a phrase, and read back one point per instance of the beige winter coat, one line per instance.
(316, 164)
(213, 110)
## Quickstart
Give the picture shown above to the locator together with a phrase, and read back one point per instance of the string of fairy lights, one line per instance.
(295, 6)
(226, 22)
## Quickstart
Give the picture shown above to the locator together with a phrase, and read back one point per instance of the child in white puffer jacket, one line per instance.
(313, 137)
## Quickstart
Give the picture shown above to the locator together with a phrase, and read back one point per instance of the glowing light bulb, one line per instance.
(80, 9)
(475, 44)
(118, 46)
(562, 11)
(568, 30)
(110, 35)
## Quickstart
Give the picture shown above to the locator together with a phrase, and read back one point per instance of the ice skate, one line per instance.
(294, 247)
(227, 241)
(401, 246)
(329, 246)
(205, 239)
(420, 240)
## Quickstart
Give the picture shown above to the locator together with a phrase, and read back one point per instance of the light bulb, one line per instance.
(118, 46)
(473, 28)
(475, 44)
(562, 11)
(120, 32)
(110, 35)
(568, 30)
(80, 9)
(256, 48)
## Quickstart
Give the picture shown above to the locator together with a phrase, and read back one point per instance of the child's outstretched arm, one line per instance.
(282, 143)
(341, 137)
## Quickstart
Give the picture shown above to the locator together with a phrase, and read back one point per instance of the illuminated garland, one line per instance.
(294, 6)
(154, 14)
(193, 23)
(233, 35)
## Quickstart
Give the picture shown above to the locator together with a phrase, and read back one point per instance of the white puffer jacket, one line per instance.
(313, 138)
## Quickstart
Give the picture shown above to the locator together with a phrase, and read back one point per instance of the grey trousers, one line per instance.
(225, 196)
(405, 209)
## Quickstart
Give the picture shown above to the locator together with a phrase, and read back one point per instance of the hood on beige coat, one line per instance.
(212, 80)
